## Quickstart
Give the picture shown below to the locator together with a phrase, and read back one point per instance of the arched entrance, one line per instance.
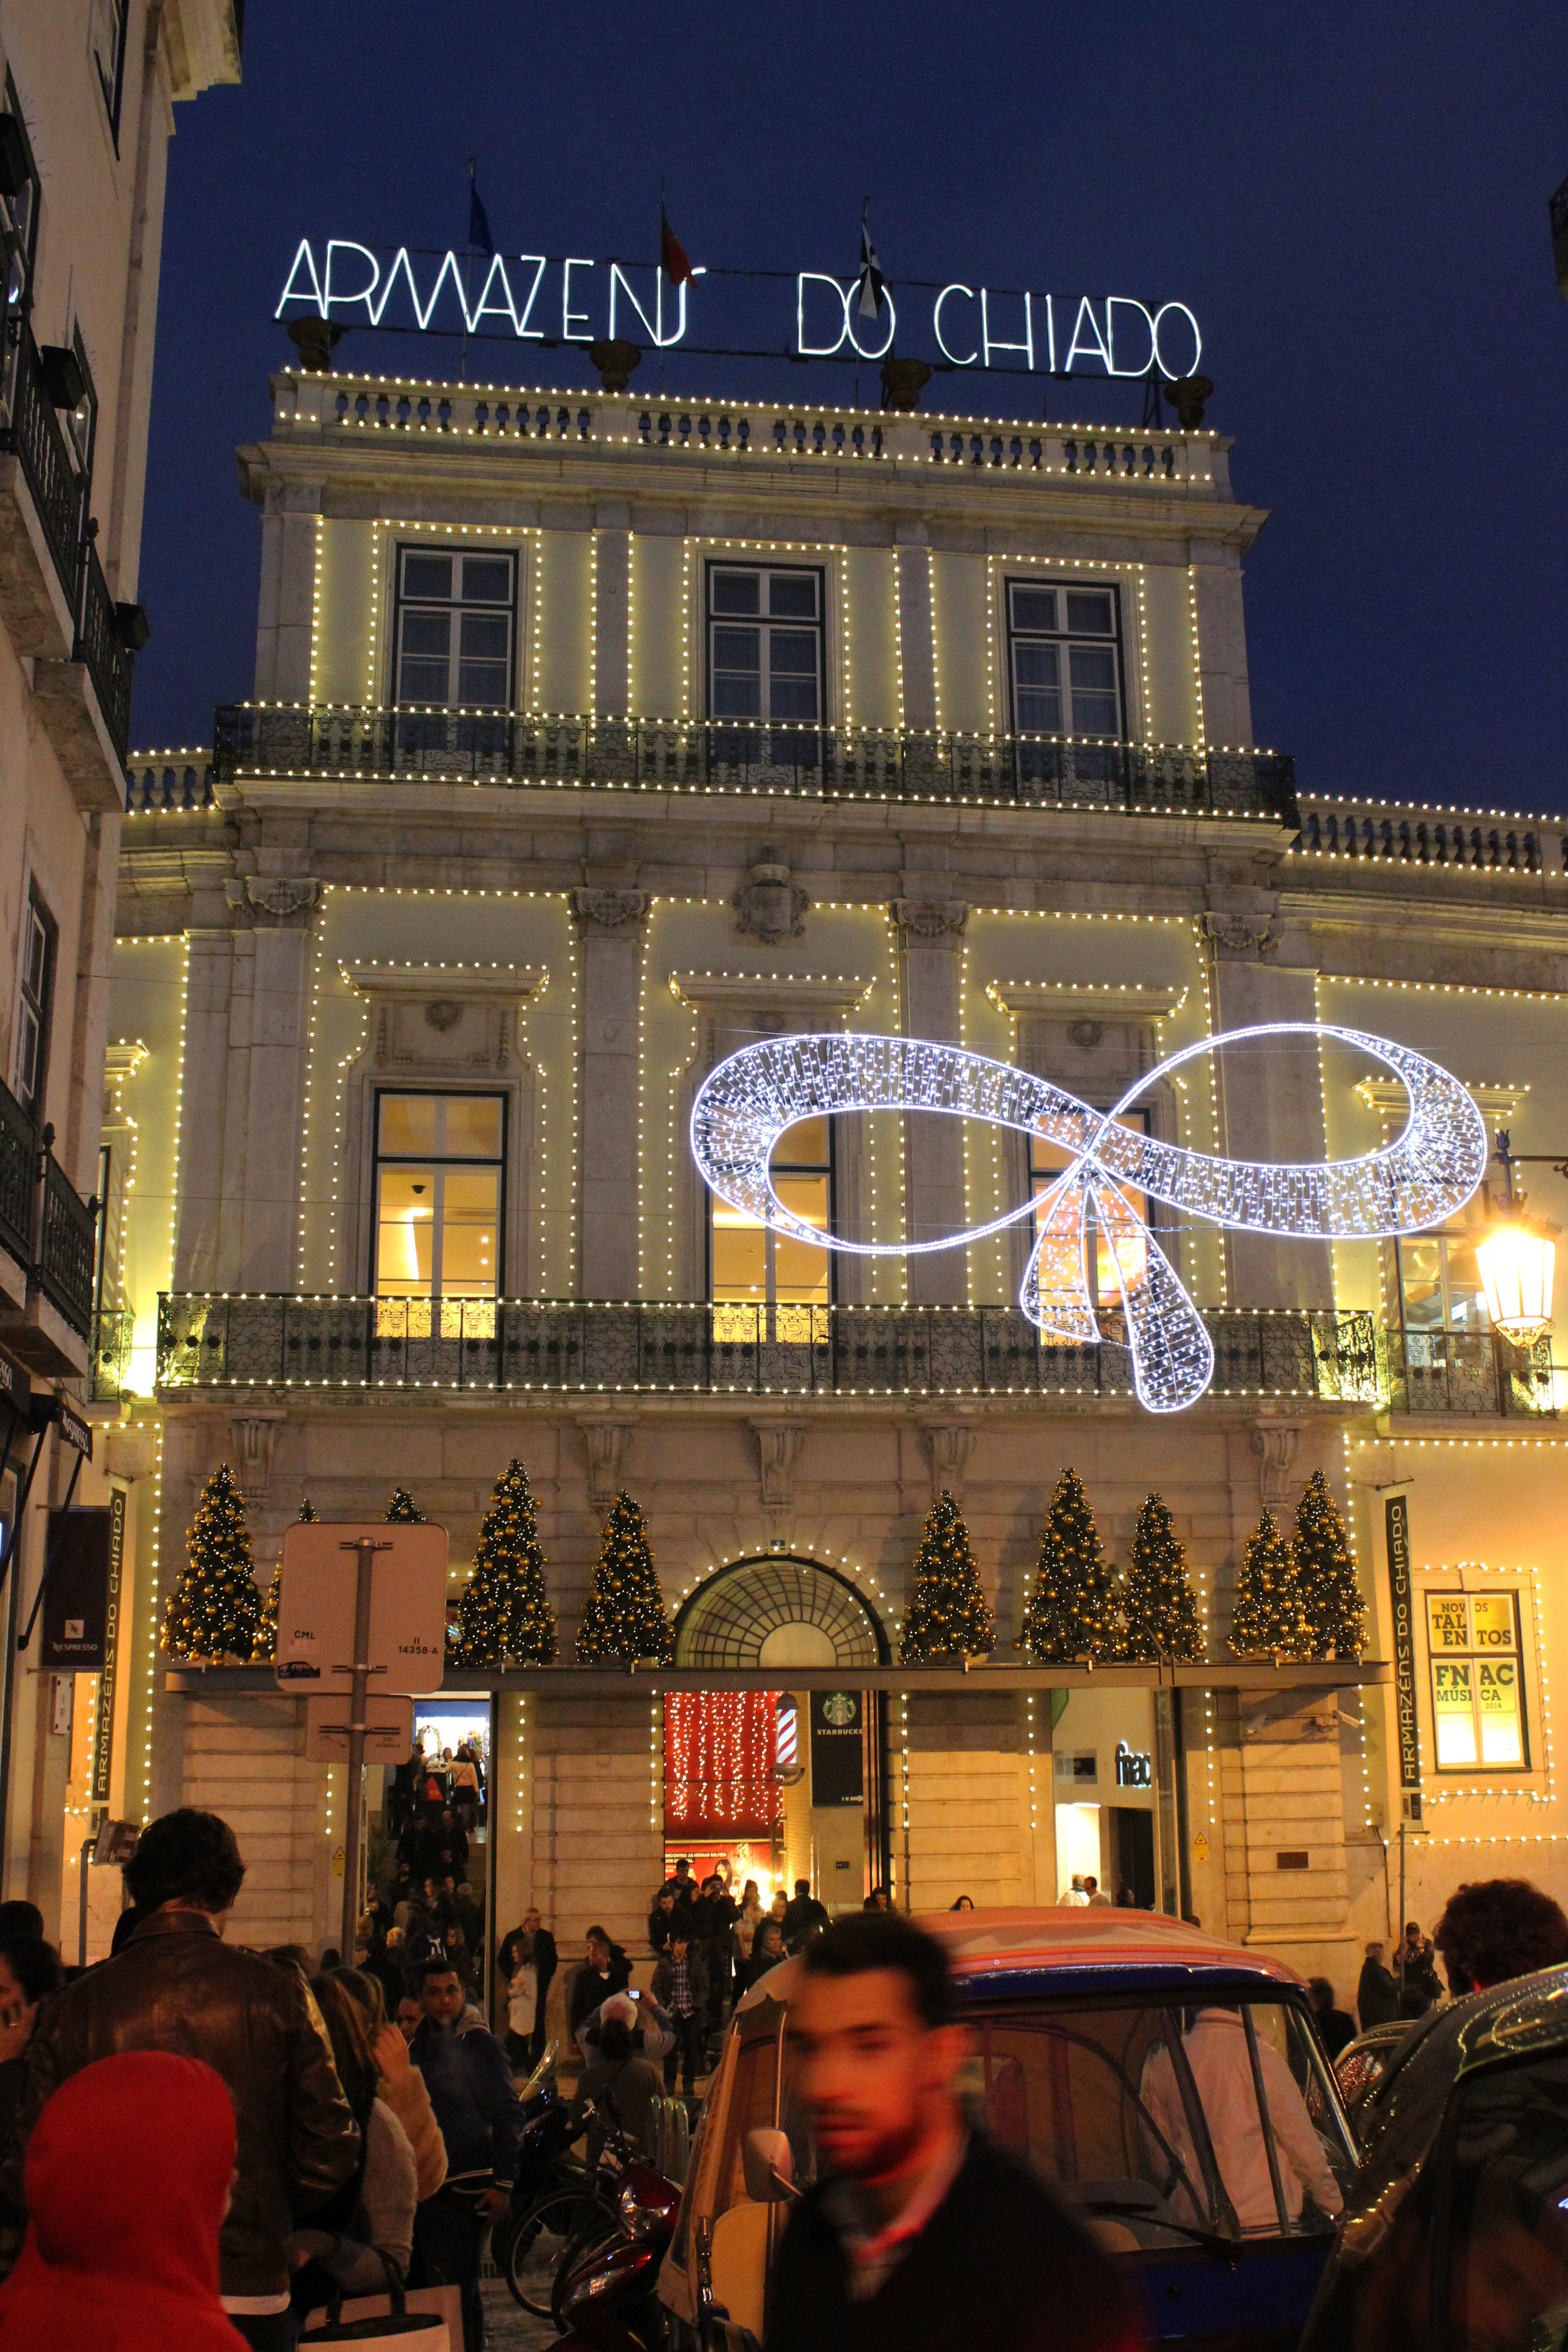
(778, 1612)
(786, 1782)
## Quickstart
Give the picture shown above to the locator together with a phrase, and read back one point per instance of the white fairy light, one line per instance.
(1429, 1171)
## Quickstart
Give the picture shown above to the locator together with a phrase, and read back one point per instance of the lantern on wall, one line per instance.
(1516, 1262)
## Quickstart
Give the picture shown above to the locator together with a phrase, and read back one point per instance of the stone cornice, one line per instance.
(1066, 1000)
(837, 994)
(508, 983)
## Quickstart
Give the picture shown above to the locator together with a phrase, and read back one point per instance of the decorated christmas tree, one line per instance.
(308, 1511)
(1326, 1576)
(266, 1648)
(1071, 1612)
(401, 1508)
(1159, 1613)
(1268, 1620)
(214, 1610)
(949, 1615)
(626, 1617)
(504, 1616)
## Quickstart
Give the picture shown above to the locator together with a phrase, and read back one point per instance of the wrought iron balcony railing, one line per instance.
(19, 1177)
(45, 1225)
(109, 1369)
(209, 1340)
(31, 433)
(1474, 1373)
(511, 748)
(99, 644)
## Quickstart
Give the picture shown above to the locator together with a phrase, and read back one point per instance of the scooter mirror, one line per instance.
(769, 2167)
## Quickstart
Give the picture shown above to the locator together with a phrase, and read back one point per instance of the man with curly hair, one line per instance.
(1499, 1928)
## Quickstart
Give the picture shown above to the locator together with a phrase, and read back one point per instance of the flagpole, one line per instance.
(467, 262)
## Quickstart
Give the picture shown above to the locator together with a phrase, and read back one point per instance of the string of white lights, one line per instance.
(1429, 1171)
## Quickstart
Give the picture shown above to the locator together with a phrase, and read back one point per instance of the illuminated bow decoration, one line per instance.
(749, 1100)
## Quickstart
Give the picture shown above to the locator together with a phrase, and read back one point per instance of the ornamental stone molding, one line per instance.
(444, 1020)
(771, 907)
(278, 894)
(1275, 1443)
(1240, 938)
(930, 918)
(778, 1451)
(609, 910)
(255, 1444)
(949, 1444)
(605, 1442)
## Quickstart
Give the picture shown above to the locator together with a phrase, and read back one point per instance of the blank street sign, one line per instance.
(388, 1729)
(316, 1605)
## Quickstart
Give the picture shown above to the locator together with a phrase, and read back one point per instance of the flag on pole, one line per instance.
(672, 253)
(871, 278)
(480, 237)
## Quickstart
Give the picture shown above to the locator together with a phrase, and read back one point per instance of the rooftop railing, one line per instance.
(209, 1340)
(513, 748)
(1479, 840)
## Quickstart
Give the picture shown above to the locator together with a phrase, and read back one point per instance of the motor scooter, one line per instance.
(607, 2300)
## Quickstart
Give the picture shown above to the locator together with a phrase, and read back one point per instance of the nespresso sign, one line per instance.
(551, 299)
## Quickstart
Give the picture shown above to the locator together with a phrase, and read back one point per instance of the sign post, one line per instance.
(337, 1629)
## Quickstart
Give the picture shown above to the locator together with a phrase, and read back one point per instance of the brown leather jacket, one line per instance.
(177, 1986)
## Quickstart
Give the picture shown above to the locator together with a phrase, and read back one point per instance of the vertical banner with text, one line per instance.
(103, 1722)
(1396, 1521)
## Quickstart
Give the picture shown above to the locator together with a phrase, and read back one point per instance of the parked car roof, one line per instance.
(1099, 1948)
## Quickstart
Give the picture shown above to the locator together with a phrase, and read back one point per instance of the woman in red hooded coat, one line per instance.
(127, 2177)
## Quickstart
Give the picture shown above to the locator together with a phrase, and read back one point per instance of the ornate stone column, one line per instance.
(610, 935)
(931, 972)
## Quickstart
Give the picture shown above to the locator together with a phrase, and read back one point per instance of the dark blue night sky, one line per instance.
(1354, 202)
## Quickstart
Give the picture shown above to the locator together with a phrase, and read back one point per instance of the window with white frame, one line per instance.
(1064, 646)
(440, 1170)
(35, 1004)
(750, 1266)
(1047, 1161)
(1439, 1281)
(765, 643)
(455, 627)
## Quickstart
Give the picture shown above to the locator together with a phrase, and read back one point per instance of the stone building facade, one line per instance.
(595, 738)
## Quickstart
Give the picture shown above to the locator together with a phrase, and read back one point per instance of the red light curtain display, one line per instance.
(718, 1763)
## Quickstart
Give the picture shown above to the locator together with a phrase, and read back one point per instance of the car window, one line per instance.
(754, 2102)
(1159, 2122)
(1507, 2235)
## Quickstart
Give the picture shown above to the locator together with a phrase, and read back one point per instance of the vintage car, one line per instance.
(1361, 2063)
(1170, 2087)
(1456, 2232)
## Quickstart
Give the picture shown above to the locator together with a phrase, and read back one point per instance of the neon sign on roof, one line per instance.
(555, 300)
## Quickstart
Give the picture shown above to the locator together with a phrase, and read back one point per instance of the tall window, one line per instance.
(439, 1167)
(108, 34)
(1439, 1283)
(82, 421)
(18, 203)
(765, 643)
(456, 618)
(34, 1007)
(1065, 647)
(752, 1268)
(1047, 1161)
(1477, 1690)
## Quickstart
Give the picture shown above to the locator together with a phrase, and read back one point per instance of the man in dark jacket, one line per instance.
(680, 1985)
(1376, 1993)
(1415, 1964)
(920, 2237)
(177, 1986)
(802, 1915)
(606, 1970)
(1336, 2026)
(468, 2077)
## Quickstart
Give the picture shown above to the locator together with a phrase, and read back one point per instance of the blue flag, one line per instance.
(479, 237)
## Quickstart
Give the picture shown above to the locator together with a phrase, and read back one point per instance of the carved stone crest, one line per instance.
(278, 894)
(608, 910)
(1247, 938)
(770, 906)
(443, 1013)
(1085, 1035)
(930, 918)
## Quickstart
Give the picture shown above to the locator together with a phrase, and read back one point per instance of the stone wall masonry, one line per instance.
(244, 1759)
(597, 1825)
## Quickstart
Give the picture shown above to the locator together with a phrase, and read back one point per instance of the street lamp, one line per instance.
(1516, 1261)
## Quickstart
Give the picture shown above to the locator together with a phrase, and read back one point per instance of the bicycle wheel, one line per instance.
(536, 2247)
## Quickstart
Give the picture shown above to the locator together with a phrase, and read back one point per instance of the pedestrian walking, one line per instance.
(802, 1914)
(1096, 1900)
(623, 2089)
(1416, 1967)
(481, 2115)
(105, 2263)
(526, 1964)
(751, 1916)
(1376, 1992)
(606, 1969)
(1494, 1929)
(177, 1984)
(918, 2236)
(341, 2246)
(680, 1985)
(767, 1951)
(1336, 2027)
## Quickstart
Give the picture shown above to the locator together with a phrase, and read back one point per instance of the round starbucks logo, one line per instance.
(838, 1710)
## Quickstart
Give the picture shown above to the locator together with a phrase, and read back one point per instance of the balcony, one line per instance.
(1474, 1373)
(53, 599)
(48, 1237)
(339, 744)
(207, 1340)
